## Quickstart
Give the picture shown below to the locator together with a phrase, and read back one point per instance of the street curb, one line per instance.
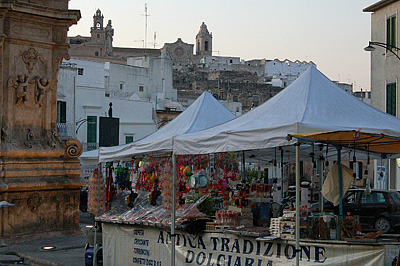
(35, 261)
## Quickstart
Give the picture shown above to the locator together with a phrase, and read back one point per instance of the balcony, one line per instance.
(66, 129)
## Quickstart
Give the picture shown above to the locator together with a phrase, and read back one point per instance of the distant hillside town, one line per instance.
(165, 80)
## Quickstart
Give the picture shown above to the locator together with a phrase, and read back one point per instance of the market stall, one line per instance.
(320, 106)
(204, 113)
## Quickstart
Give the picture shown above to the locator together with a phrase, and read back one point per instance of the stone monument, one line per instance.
(39, 171)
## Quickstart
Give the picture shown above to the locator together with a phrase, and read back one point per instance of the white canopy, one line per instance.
(312, 103)
(204, 113)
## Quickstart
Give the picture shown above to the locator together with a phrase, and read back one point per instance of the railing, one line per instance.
(90, 146)
(66, 130)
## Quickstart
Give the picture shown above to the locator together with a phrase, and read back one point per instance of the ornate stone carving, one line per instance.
(57, 59)
(73, 148)
(29, 137)
(30, 58)
(42, 86)
(20, 85)
(4, 133)
(30, 92)
(52, 141)
(34, 202)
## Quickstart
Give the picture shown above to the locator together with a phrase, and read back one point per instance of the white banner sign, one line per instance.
(128, 245)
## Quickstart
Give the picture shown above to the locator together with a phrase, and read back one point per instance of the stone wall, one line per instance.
(39, 170)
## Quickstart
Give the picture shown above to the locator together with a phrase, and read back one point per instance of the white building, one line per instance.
(86, 88)
(220, 63)
(275, 72)
(286, 71)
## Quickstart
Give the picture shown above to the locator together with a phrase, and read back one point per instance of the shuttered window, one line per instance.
(391, 98)
(391, 31)
(61, 112)
(91, 129)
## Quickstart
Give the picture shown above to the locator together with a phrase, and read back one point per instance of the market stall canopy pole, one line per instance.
(339, 159)
(297, 232)
(173, 210)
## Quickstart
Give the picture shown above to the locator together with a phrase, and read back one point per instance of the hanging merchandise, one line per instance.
(96, 195)
(122, 177)
(166, 181)
(130, 199)
(110, 188)
(200, 179)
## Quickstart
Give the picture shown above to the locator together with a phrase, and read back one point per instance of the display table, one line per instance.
(125, 244)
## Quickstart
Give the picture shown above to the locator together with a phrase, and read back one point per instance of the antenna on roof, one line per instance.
(145, 27)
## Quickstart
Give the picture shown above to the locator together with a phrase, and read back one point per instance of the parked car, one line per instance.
(377, 209)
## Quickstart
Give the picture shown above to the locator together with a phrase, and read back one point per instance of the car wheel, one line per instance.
(383, 224)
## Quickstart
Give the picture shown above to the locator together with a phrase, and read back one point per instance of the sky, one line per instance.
(330, 33)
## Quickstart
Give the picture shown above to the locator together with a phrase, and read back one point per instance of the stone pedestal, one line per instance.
(39, 172)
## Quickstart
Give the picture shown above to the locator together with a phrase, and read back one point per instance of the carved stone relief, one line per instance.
(53, 139)
(28, 141)
(30, 58)
(34, 202)
(30, 62)
(73, 148)
(29, 92)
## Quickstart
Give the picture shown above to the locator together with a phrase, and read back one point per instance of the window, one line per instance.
(80, 71)
(128, 139)
(373, 197)
(96, 53)
(98, 36)
(391, 31)
(121, 85)
(395, 196)
(206, 45)
(141, 87)
(350, 197)
(391, 98)
(61, 112)
(91, 132)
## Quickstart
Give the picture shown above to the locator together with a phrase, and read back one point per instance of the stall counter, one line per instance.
(144, 245)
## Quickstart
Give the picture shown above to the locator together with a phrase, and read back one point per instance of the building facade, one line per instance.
(87, 88)
(384, 72)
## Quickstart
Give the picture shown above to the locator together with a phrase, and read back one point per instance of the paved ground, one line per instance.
(68, 251)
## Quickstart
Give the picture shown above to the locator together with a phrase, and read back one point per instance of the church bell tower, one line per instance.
(203, 42)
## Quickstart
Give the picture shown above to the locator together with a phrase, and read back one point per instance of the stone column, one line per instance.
(39, 172)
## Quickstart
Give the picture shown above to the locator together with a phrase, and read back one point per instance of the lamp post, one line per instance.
(388, 47)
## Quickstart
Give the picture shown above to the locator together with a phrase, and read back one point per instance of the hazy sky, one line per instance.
(330, 33)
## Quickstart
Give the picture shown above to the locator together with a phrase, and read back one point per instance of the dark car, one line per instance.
(377, 209)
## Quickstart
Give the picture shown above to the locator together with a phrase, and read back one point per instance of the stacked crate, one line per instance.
(275, 227)
(288, 228)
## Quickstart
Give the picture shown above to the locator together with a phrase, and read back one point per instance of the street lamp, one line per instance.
(388, 47)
